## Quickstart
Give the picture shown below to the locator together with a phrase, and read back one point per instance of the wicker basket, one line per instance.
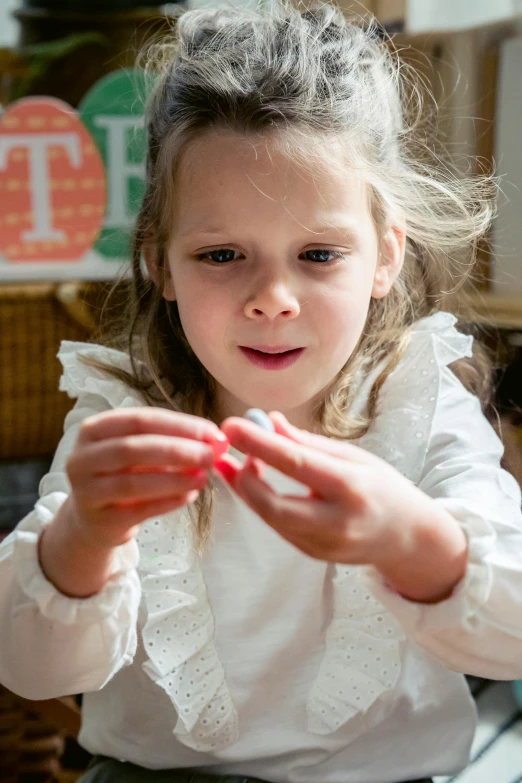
(33, 321)
(12, 729)
(31, 742)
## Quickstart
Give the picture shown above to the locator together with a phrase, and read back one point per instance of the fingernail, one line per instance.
(220, 445)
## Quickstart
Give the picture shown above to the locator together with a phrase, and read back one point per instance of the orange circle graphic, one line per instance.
(52, 183)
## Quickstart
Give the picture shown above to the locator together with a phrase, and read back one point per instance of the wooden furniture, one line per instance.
(32, 737)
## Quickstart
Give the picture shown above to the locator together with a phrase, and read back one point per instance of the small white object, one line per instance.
(259, 417)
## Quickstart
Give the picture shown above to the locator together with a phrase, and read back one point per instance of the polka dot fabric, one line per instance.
(362, 659)
(178, 635)
(401, 428)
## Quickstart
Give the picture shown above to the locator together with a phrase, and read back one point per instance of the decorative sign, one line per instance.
(71, 183)
(113, 111)
(52, 183)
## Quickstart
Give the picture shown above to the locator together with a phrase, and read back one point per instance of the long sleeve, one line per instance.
(478, 630)
(51, 644)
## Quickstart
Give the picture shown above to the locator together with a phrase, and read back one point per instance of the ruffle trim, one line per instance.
(475, 588)
(79, 378)
(449, 343)
(362, 660)
(179, 635)
(55, 605)
(400, 430)
(363, 655)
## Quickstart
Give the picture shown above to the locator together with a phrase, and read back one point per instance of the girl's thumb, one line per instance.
(283, 427)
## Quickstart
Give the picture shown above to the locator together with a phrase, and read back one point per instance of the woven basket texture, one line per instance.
(33, 321)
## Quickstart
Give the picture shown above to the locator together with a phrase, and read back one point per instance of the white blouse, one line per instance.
(255, 659)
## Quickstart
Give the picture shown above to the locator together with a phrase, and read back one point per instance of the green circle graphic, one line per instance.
(114, 112)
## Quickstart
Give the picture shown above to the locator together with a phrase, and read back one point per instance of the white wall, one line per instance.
(434, 15)
(8, 25)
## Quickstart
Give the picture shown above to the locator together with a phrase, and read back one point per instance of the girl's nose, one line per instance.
(272, 300)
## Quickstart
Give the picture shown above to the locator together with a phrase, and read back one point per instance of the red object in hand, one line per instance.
(227, 470)
(220, 445)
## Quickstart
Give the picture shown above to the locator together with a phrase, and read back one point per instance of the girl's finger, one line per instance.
(148, 421)
(336, 448)
(294, 517)
(117, 454)
(317, 470)
(131, 488)
(118, 517)
(228, 467)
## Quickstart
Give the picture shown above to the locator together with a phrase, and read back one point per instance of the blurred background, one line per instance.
(8, 27)
(66, 213)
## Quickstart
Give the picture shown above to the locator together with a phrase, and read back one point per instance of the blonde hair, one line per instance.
(301, 75)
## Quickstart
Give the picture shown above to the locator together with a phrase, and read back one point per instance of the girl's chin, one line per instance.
(243, 393)
(270, 402)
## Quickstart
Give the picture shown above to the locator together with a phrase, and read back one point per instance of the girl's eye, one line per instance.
(221, 256)
(321, 255)
(224, 255)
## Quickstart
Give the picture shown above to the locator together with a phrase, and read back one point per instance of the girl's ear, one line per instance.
(391, 259)
(160, 278)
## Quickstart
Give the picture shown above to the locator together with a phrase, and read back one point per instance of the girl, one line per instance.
(305, 614)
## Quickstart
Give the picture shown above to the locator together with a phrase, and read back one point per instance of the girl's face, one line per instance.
(273, 271)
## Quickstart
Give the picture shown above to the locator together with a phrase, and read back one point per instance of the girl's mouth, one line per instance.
(271, 360)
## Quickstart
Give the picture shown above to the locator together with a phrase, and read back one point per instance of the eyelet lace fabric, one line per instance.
(363, 645)
(362, 661)
(178, 635)
(406, 407)
(79, 378)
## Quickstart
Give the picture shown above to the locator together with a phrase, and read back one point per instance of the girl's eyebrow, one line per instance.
(348, 229)
(200, 228)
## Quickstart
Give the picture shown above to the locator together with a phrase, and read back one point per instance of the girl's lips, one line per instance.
(272, 361)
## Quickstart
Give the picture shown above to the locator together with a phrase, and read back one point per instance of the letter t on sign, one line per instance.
(38, 145)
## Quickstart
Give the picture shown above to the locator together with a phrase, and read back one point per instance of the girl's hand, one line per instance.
(131, 464)
(360, 510)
